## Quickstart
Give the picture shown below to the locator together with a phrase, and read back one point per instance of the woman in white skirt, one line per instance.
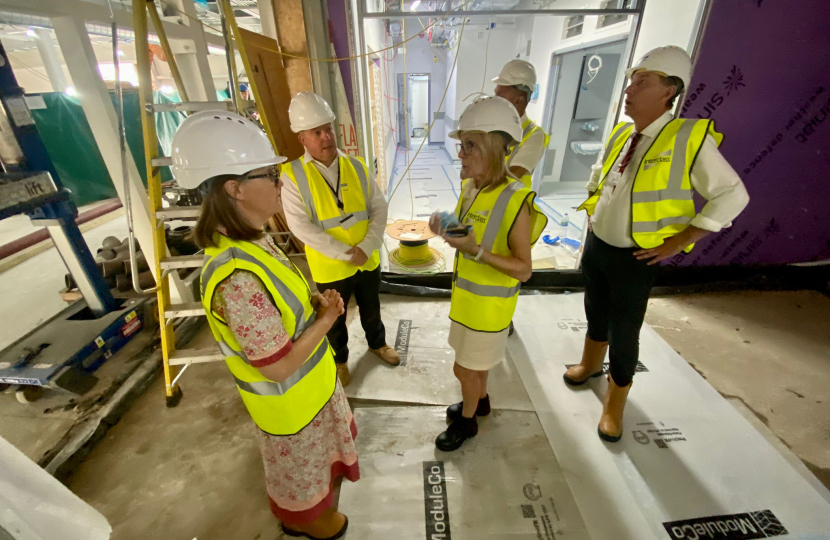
(498, 223)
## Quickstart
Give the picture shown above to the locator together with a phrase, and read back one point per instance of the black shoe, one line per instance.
(483, 409)
(457, 432)
(510, 329)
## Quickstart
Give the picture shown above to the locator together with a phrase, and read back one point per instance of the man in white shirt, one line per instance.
(641, 212)
(334, 206)
(516, 83)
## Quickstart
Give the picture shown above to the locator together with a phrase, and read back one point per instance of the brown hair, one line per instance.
(494, 148)
(218, 210)
(677, 83)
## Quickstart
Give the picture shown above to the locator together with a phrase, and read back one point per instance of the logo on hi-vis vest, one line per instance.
(477, 217)
(761, 524)
(658, 159)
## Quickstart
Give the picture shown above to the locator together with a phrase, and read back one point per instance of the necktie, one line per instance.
(630, 153)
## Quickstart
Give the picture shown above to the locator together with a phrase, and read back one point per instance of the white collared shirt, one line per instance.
(312, 234)
(529, 154)
(711, 176)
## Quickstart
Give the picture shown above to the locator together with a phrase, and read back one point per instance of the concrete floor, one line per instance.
(195, 471)
(770, 350)
(30, 289)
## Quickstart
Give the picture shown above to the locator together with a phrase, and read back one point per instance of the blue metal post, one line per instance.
(58, 215)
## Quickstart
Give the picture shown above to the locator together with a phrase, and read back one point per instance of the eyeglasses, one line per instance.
(273, 174)
(467, 146)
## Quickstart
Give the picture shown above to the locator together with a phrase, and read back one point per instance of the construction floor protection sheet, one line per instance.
(418, 330)
(689, 466)
(436, 185)
(503, 484)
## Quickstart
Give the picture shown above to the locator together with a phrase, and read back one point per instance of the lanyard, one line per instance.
(336, 192)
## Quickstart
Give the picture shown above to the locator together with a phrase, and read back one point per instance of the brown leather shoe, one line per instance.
(611, 422)
(593, 354)
(343, 374)
(388, 355)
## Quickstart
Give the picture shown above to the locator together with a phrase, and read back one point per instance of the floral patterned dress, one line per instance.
(300, 469)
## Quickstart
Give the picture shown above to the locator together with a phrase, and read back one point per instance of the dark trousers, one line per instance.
(617, 287)
(365, 287)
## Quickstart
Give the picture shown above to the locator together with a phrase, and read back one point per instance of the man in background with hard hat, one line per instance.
(333, 205)
(516, 83)
(641, 212)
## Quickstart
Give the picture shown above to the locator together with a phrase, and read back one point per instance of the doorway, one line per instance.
(577, 109)
(414, 113)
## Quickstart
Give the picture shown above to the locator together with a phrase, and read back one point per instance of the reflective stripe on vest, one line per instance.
(662, 202)
(483, 298)
(674, 189)
(278, 408)
(289, 297)
(273, 388)
(305, 190)
(493, 291)
(323, 211)
(488, 239)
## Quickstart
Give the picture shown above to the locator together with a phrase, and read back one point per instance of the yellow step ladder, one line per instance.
(175, 361)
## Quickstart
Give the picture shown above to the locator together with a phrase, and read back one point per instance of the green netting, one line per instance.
(69, 141)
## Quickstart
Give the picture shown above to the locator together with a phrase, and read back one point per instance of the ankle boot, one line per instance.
(457, 432)
(483, 409)
(593, 354)
(611, 422)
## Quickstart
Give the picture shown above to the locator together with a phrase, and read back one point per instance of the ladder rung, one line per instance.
(179, 212)
(183, 261)
(162, 161)
(196, 356)
(188, 106)
(188, 309)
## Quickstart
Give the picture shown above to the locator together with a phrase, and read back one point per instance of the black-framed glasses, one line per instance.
(273, 174)
(467, 146)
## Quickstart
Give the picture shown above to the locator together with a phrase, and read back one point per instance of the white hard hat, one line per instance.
(490, 114)
(517, 72)
(308, 111)
(670, 61)
(210, 143)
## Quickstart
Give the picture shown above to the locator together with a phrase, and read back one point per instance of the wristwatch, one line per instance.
(480, 253)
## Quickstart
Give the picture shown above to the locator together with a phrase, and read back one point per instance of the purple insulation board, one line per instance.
(339, 34)
(763, 75)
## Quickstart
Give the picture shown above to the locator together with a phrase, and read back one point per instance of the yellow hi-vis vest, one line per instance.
(529, 127)
(321, 207)
(278, 408)
(661, 198)
(483, 298)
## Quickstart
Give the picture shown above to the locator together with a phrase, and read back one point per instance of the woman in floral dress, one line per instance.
(280, 360)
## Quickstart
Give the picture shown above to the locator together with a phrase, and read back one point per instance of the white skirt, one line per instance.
(479, 351)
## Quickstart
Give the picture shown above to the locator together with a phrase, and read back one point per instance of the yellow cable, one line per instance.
(289, 55)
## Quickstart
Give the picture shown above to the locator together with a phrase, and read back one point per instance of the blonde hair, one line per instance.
(494, 147)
